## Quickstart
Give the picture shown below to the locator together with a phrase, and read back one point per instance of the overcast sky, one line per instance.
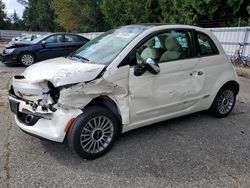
(11, 5)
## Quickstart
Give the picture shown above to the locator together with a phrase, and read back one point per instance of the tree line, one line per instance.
(100, 15)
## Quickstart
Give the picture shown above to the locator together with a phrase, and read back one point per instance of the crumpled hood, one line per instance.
(15, 44)
(62, 71)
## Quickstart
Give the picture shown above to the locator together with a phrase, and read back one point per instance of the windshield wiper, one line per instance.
(79, 57)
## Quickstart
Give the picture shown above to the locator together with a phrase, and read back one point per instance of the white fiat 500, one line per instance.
(126, 78)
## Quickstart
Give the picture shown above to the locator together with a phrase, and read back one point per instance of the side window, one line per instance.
(207, 46)
(171, 45)
(71, 38)
(81, 39)
(54, 39)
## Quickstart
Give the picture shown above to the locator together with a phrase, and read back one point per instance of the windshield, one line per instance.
(38, 39)
(104, 49)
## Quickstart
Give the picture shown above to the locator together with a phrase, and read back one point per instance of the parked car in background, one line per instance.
(23, 38)
(124, 79)
(45, 47)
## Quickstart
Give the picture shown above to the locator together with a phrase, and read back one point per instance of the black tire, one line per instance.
(27, 59)
(248, 63)
(216, 108)
(80, 126)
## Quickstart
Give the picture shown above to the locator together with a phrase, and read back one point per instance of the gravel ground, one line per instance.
(192, 151)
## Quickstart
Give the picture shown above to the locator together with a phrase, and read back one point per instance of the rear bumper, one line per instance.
(49, 125)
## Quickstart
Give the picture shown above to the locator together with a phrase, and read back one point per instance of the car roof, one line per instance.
(164, 25)
(64, 33)
(155, 27)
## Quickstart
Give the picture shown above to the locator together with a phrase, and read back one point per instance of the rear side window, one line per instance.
(71, 38)
(54, 39)
(81, 39)
(207, 46)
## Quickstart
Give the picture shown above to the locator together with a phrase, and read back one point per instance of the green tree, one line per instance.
(78, 15)
(121, 12)
(100, 15)
(2, 15)
(203, 12)
(217, 12)
(91, 18)
(68, 12)
(39, 15)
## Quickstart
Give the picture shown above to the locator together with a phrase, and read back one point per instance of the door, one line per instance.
(155, 97)
(209, 66)
(51, 47)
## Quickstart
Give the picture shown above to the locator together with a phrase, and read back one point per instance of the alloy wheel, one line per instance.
(226, 101)
(96, 134)
(27, 59)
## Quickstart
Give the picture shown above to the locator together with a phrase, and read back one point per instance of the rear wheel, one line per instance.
(247, 63)
(27, 59)
(224, 102)
(93, 132)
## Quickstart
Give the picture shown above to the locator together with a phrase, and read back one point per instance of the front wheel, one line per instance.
(27, 59)
(93, 132)
(224, 102)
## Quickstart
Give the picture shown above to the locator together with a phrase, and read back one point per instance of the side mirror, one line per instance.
(140, 69)
(43, 43)
(149, 65)
(153, 66)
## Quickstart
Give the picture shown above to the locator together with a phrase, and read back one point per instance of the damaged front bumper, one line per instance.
(46, 124)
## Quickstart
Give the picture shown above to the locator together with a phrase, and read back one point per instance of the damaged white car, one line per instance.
(126, 78)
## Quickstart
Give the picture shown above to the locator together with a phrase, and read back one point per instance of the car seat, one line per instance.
(174, 49)
(150, 51)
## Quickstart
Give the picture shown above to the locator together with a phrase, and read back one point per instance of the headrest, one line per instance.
(150, 43)
(162, 39)
(172, 44)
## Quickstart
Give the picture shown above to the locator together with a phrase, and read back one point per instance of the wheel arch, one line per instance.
(108, 103)
(213, 109)
(234, 84)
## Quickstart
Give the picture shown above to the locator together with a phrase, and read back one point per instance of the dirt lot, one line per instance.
(243, 72)
(192, 151)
